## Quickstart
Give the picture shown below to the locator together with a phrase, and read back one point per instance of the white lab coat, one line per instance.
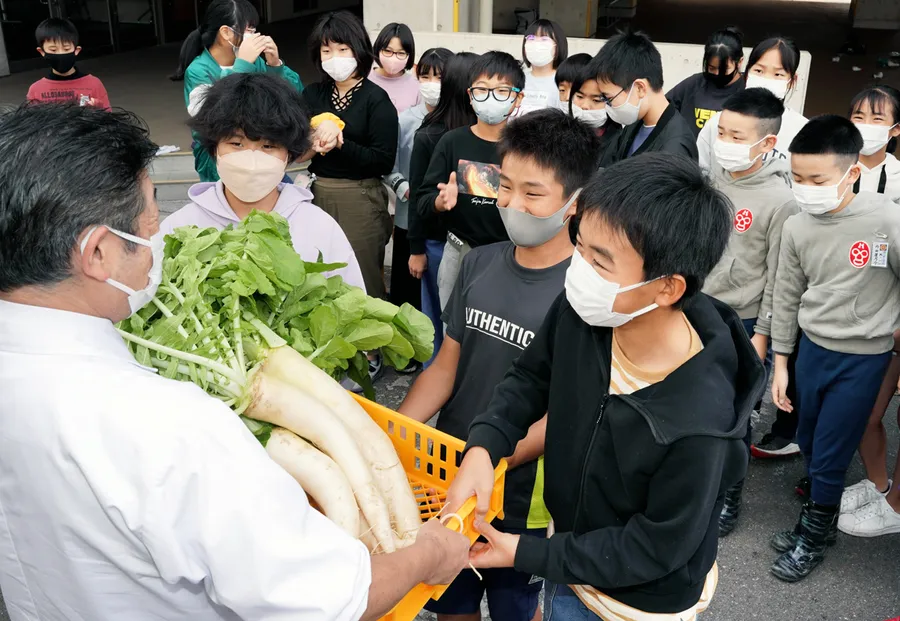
(125, 496)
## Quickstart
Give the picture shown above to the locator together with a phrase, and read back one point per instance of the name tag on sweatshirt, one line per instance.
(880, 253)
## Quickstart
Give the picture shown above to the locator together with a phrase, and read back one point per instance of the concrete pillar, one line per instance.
(486, 16)
(4, 60)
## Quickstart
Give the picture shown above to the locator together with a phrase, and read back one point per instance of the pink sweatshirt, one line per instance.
(312, 230)
(403, 90)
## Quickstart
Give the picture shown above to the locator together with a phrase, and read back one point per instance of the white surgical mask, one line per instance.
(626, 114)
(874, 137)
(339, 68)
(591, 118)
(251, 174)
(430, 92)
(528, 231)
(138, 299)
(735, 157)
(493, 112)
(593, 297)
(779, 88)
(540, 53)
(820, 199)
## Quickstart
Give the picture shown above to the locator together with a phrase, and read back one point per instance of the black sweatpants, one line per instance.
(404, 286)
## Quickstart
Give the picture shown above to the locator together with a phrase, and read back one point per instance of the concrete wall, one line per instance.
(882, 14)
(680, 60)
(279, 10)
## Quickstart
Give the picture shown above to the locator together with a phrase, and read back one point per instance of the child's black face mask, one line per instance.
(60, 63)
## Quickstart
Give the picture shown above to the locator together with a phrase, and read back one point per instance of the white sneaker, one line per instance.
(859, 495)
(873, 520)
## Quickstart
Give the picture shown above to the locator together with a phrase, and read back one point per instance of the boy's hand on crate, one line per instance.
(475, 477)
(446, 552)
(499, 551)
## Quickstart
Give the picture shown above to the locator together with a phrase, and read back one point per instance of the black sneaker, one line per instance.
(803, 488)
(731, 510)
(772, 447)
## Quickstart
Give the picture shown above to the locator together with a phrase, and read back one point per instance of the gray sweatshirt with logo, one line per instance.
(839, 278)
(745, 276)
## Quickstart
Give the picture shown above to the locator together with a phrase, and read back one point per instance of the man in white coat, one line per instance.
(124, 495)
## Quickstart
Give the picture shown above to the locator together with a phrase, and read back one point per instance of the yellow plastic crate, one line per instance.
(429, 457)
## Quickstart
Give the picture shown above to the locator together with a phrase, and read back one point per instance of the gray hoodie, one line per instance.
(312, 230)
(745, 276)
(838, 278)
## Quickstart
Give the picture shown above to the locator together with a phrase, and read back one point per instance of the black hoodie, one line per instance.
(671, 134)
(634, 483)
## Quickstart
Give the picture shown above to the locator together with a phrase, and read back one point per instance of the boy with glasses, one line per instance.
(629, 72)
(462, 182)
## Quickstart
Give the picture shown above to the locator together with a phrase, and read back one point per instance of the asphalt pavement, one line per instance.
(859, 579)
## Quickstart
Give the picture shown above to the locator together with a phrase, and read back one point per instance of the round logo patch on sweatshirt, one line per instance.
(743, 220)
(860, 254)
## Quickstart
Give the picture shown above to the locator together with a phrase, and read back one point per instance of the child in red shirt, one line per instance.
(57, 41)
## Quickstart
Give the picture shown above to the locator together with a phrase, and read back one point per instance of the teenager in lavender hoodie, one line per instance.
(254, 125)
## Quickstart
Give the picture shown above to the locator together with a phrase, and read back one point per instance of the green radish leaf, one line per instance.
(369, 334)
(350, 306)
(323, 324)
(380, 310)
(417, 328)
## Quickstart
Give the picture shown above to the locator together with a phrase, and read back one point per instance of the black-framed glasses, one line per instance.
(500, 93)
(608, 100)
(400, 55)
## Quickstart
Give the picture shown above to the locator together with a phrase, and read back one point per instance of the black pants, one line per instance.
(404, 286)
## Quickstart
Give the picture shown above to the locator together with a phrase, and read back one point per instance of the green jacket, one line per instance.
(201, 74)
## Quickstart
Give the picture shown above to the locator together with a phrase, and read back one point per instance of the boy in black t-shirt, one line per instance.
(500, 299)
(462, 178)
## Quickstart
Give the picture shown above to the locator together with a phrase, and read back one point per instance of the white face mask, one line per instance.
(626, 114)
(540, 53)
(491, 111)
(430, 92)
(339, 68)
(591, 118)
(735, 157)
(593, 297)
(251, 175)
(779, 88)
(138, 299)
(820, 199)
(875, 137)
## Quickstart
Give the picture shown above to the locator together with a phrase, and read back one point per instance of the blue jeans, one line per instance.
(431, 300)
(561, 604)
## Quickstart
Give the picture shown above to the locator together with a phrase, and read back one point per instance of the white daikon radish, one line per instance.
(373, 442)
(365, 535)
(319, 476)
(284, 405)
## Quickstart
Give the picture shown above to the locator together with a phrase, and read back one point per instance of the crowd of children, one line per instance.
(613, 271)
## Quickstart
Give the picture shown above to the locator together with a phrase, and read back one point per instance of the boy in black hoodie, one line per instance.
(647, 385)
(629, 71)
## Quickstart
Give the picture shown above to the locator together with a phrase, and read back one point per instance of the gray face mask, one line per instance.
(528, 231)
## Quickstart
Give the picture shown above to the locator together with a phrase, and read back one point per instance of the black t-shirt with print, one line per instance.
(475, 218)
(698, 100)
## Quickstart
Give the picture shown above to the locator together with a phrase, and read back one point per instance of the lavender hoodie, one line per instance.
(312, 230)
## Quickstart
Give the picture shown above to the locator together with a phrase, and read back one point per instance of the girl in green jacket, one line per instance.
(226, 42)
